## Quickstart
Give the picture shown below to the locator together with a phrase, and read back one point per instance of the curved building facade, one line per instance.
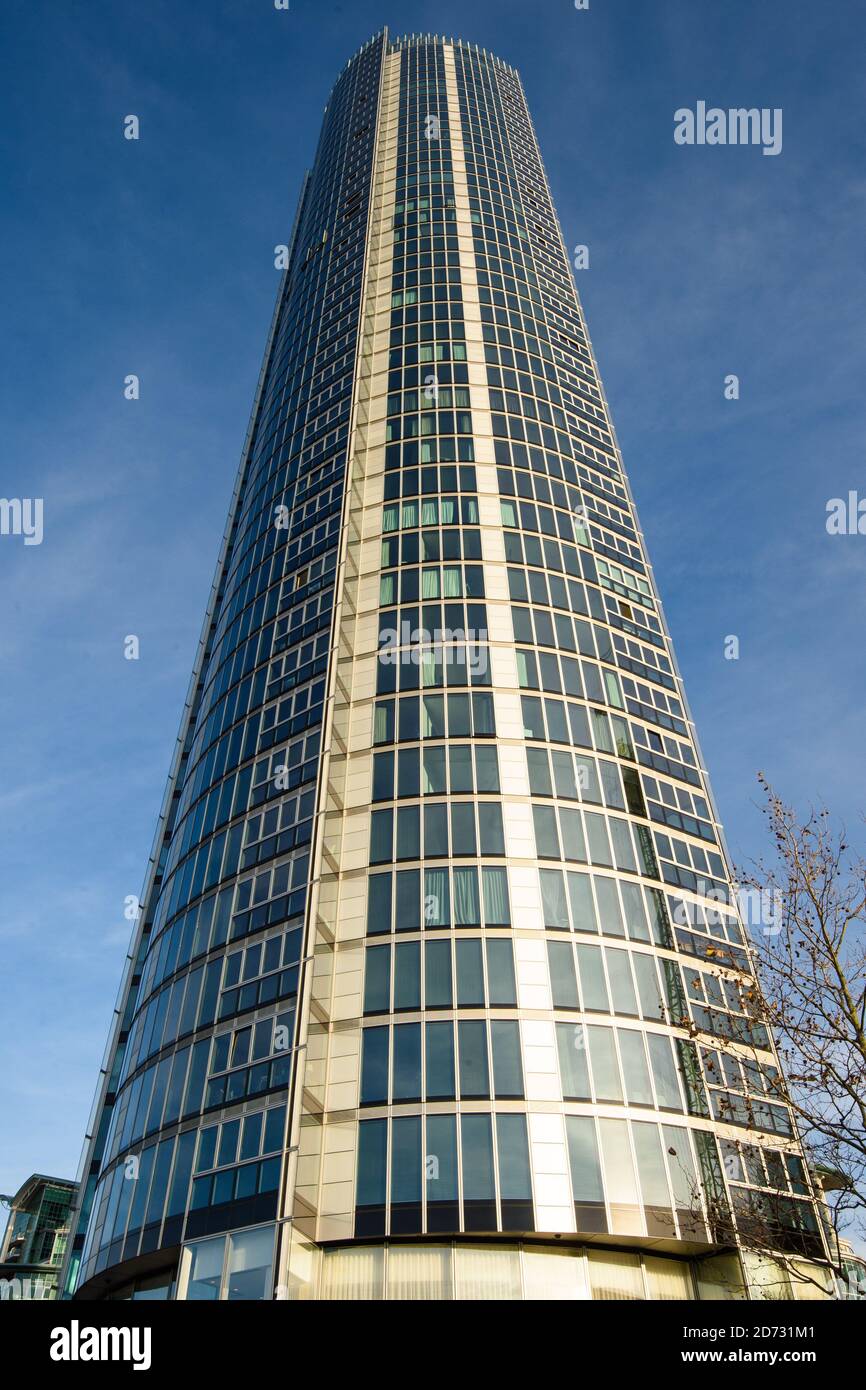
(439, 988)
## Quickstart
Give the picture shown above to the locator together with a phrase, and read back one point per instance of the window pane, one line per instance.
(434, 771)
(377, 979)
(592, 981)
(490, 830)
(374, 1066)
(477, 1148)
(635, 913)
(515, 1183)
(440, 1159)
(408, 832)
(573, 1068)
(500, 972)
(463, 828)
(407, 975)
(605, 1069)
(507, 1067)
(381, 837)
(609, 915)
(437, 977)
(474, 1076)
(496, 909)
(664, 1072)
(249, 1269)
(573, 844)
(553, 899)
(582, 905)
(379, 903)
(372, 1162)
(437, 902)
(637, 1083)
(621, 987)
(466, 911)
(583, 1161)
(651, 1167)
(436, 830)
(563, 980)
(648, 985)
(439, 1043)
(407, 1062)
(406, 1159)
(205, 1270)
(470, 973)
(408, 908)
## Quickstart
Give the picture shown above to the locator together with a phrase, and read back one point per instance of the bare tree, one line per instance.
(811, 964)
(809, 950)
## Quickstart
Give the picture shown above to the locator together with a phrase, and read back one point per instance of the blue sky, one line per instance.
(156, 258)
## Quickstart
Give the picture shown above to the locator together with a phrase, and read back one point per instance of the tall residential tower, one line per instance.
(439, 988)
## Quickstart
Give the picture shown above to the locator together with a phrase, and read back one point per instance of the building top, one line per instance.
(28, 1189)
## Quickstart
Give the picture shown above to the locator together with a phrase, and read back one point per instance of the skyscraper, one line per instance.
(439, 988)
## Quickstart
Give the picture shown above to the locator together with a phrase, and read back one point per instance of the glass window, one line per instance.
(409, 831)
(651, 1168)
(496, 909)
(249, 1264)
(621, 987)
(470, 973)
(634, 1066)
(466, 906)
(582, 905)
(377, 979)
(477, 1148)
(592, 982)
(406, 1159)
(251, 1142)
(573, 845)
(437, 977)
(608, 907)
(490, 830)
(614, 1276)
(372, 1162)
(407, 1062)
(563, 980)
(381, 837)
(618, 1166)
(501, 984)
(407, 917)
(605, 1069)
(515, 1182)
(205, 1270)
(439, 1040)
(436, 831)
(573, 1068)
(553, 899)
(437, 898)
(462, 828)
(379, 903)
(472, 1041)
(648, 985)
(407, 975)
(664, 1072)
(635, 913)
(507, 1067)
(586, 1185)
(546, 836)
(374, 1066)
(599, 847)
(440, 1159)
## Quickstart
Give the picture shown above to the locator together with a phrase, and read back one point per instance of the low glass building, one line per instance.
(34, 1243)
(440, 988)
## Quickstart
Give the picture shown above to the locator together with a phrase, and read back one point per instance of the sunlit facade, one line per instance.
(439, 989)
